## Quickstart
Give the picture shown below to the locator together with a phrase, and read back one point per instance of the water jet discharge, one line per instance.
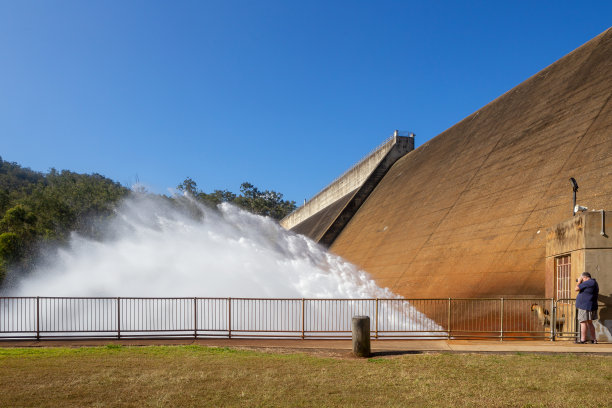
(155, 248)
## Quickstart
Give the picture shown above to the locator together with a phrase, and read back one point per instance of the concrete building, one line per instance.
(466, 214)
(581, 244)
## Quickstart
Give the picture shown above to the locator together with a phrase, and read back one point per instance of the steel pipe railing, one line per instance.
(195, 317)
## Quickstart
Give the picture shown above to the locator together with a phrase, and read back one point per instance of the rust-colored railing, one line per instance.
(125, 317)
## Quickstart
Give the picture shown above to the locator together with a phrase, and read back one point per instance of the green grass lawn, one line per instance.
(204, 376)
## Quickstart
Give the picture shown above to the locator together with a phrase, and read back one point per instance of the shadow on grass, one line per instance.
(394, 353)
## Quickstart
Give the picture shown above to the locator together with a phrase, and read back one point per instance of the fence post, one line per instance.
(195, 317)
(229, 318)
(553, 320)
(576, 323)
(448, 323)
(360, 329)
(376, 321)
(501, 322)
(303, 312)
(37, 318)
(118, 318)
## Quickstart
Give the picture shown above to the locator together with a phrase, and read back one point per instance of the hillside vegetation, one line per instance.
(37, 208)
(43, 209)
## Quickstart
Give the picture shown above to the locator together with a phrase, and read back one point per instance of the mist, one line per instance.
(158, 247)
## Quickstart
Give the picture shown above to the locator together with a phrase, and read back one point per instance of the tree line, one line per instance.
(41, 209)
(267, 203)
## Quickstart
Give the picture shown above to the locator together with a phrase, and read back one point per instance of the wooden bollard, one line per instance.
(361, 335)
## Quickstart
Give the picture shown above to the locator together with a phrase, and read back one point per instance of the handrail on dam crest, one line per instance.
(195, 317)
(388, 141)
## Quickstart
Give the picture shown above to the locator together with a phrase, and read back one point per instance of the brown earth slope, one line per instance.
(465, 213)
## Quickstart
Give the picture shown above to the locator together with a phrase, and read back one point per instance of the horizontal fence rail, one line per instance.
(130, 317)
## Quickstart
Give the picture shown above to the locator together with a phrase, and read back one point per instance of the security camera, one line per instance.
(578, 208)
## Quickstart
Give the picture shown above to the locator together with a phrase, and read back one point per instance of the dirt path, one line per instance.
(342, 348)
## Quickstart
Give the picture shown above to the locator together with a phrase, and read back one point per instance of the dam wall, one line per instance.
(466, 214)
(332, 199)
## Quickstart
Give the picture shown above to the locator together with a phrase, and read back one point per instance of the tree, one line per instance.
(10, 246)
(19, 220)
(188, 186)
(10, 251)
(219, 196)
(267, 203)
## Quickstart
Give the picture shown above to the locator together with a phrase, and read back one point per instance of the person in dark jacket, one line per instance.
(586, 303)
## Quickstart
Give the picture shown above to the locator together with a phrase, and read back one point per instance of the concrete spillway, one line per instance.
(464, 214)
(324, 216)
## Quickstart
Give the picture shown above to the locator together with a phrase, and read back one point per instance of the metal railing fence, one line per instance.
(125, 317)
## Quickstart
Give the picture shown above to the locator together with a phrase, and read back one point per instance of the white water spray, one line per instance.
(155, 249)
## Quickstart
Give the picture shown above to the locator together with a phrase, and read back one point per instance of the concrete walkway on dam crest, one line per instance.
(343, 347)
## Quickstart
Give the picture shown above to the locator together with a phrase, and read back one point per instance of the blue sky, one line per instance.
(284, 94)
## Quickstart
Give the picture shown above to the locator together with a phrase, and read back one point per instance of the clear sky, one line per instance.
(284, 94)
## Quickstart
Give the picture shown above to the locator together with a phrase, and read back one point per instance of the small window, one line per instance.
(563, 269)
